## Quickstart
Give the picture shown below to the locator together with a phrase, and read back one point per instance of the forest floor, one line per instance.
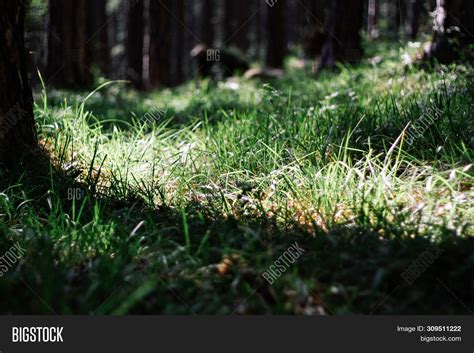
(178, 201)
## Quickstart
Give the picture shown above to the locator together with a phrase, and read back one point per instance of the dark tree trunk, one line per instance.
(372, 18)
(179, 32)
(135, 38)
(17, 127)
(236, 23)
(399, 17)
(313, 33)
(259, 29)
(207, 14)
(240, 37)
(68, 59)
(189, 37)
(453, 31)
(97, 42)
(229, 21)
(414, 8)
(291, 24)
(276, 49)
(160, 43)
(36, 39)
(343, 41)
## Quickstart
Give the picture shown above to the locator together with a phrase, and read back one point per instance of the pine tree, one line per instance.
(17, 127)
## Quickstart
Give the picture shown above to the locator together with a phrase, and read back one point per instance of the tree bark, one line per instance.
(260, 24)
(276, 49)
(399, 18)
(135, 42)
(207, 14)
(343, 40)
(229, 21)
(160, 43)
(97, 37)
(412, 25)
(372, 18)
(68, 59)
(179, 35)
(17, 127)
(313, 33)
(453, 31)
(241, 32)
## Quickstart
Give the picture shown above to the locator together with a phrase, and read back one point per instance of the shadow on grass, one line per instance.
(107, 255)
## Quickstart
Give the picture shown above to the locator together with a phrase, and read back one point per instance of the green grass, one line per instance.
(184, 213)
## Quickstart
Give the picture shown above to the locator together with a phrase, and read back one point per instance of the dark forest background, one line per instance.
(150, 42)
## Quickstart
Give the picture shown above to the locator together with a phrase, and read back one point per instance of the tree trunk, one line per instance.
(372, 18)
(179, 33)
(229, 21)
(160, 43)
(97, 38)
(241, 32)
(17, 127)
(313, 33)
(413, 18)
(135, 40)
(68, 59)
(343, 41)
(400, 9)
(260, 29)
(276, 49)
(207, 14)
(453, 31)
